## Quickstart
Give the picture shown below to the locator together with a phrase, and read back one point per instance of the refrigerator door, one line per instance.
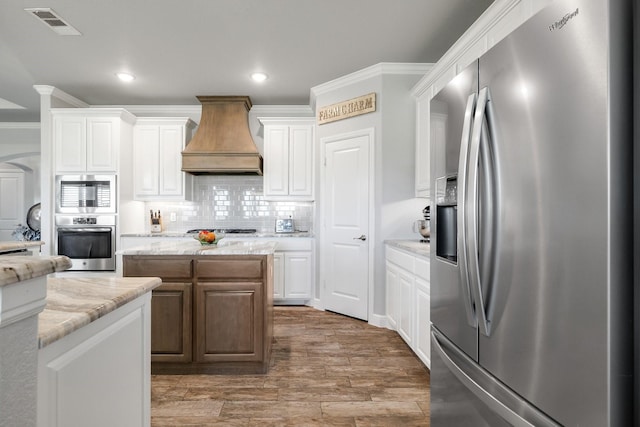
(463, 394)
(552, 320)
(451, 303)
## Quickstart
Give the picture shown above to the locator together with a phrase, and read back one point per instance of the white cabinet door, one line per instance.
(297, 275)
(301, 161)
(423, 322)
(288, 158)
(276, 161)
(406, 310)
(157, 144)
(70, 135)
(171, 175)
(86, 142)
(146, 155)
(102, 149)
(392, 283)
(423, 158)
(278, 275)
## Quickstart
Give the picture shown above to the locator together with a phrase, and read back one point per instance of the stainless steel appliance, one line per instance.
(89, 240)
(285, 225)
(531, 293)
(94, 194)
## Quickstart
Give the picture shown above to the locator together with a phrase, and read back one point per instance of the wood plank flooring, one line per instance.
(326, 370)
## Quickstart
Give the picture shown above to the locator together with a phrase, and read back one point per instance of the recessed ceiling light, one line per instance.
(259, 77)
(126, 77)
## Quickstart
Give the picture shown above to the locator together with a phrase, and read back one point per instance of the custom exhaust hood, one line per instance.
(223, 144)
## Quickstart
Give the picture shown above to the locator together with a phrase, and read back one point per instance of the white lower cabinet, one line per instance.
(99, 375)
(407, 293)
(294, 282)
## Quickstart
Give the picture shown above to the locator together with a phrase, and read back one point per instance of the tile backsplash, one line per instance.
(230, 202)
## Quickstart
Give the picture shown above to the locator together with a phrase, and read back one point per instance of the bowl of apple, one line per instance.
(208, 237)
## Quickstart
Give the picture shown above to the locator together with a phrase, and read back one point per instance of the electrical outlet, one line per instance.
(172, 217)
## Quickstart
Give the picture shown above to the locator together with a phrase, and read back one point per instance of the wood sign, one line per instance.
(351, 108)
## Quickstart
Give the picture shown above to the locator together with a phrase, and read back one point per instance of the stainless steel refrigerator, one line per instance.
(532, 276)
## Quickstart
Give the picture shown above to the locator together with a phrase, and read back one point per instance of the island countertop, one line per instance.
(15, 269)
(253, 247)
(17, 245)
(75, 302)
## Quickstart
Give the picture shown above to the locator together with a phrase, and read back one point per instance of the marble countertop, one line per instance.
(260, 234)
(414, 246)
(253, 247)
(15, 269)
(75, 302)
(14, 245)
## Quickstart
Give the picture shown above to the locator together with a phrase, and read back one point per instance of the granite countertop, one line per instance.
(254, 247)
(414, 246)
(260, 234)
(14, 245)
(15, 269)
(75, 302)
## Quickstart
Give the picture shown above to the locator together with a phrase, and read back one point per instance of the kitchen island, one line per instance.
(214, 311)
(74, 351)
(93, 357)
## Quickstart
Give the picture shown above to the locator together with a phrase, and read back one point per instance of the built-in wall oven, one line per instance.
(89, 240)
(85, 221)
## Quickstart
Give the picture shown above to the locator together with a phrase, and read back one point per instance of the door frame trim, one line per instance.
(370, 133)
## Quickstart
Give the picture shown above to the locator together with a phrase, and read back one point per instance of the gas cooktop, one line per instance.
(225, 230)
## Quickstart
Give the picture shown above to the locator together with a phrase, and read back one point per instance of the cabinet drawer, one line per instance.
(422, 268)
(229, 269)
(293, 244)
(163, 268)
(400, 258)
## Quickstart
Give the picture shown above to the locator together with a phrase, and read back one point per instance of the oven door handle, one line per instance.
(86, 229)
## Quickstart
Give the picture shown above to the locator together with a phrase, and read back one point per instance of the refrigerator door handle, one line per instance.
(500, 399)
(462, 184)
(470, 212)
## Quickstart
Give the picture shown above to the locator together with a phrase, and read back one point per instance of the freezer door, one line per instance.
(555, 313)
(451, 305)
(463, 394)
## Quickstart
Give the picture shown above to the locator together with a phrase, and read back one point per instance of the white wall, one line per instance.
(395, 206)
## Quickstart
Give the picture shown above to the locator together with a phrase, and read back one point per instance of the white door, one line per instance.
(345, 244)
(12, 209)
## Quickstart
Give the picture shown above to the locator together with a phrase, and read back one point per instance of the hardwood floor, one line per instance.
(326, 370)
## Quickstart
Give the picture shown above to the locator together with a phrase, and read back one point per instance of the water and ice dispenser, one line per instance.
(447, 218)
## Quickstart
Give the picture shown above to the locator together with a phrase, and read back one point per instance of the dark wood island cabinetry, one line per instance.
(213, 312)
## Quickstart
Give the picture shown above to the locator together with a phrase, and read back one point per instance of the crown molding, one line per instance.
(494, 13)
(61, 95)
(282, 110)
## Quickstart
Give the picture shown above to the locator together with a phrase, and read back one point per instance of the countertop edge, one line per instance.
(76, 302)
(14, 269)
(413, 246)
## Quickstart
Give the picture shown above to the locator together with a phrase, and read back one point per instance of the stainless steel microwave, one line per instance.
(76, 194)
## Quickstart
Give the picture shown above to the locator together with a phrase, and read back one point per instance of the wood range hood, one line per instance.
(223, 144)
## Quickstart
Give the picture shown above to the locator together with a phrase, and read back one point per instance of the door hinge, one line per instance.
(325, 162)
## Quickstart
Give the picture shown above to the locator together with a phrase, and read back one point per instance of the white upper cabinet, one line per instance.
(500, 19)
(288, 158)
(157, 159)
(88, 141)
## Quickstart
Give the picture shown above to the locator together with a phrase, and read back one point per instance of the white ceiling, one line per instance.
(182, 48)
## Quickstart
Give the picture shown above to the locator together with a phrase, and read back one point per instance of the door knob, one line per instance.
(362, 237)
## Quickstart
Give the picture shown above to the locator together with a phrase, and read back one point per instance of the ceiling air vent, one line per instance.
(48, 17)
